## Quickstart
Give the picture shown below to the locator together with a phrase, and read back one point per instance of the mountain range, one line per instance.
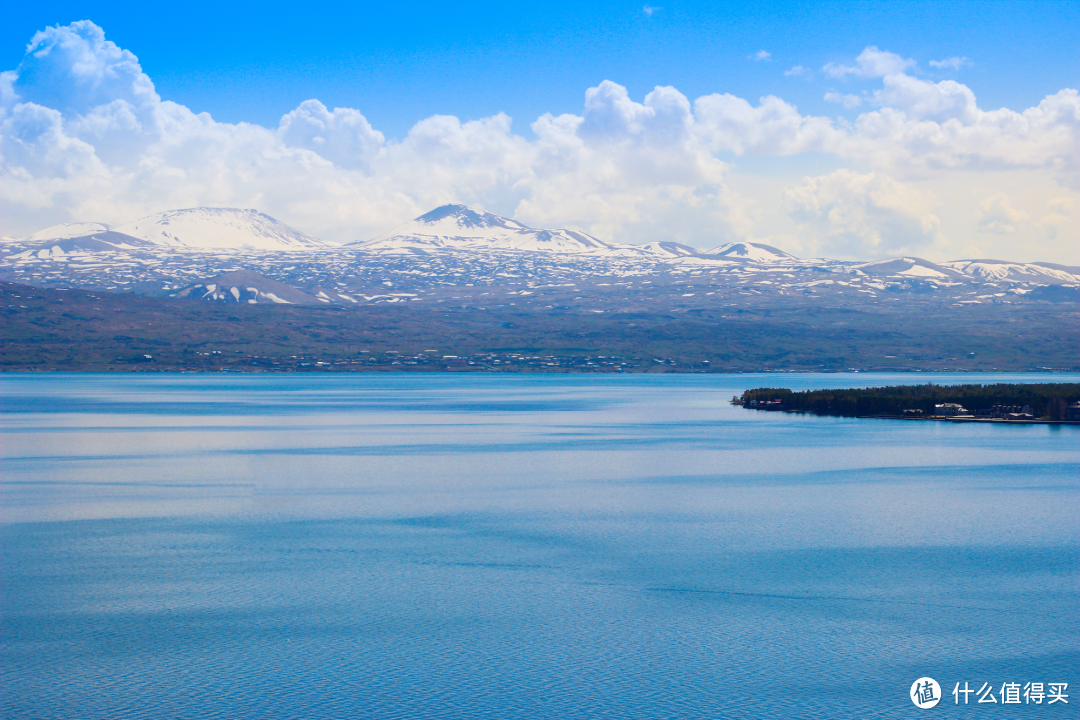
(459, 288)
(457, 253)
(450, 227)
(195, 228)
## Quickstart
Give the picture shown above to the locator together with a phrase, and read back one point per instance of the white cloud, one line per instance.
(74, 69)
(611, 116)
(922, 100)
(649, 10)
(622, 166)
(726, 123)
(847, 100)
(997, 215)
(855, 215)
(343, 136)
(7, 88)
(85, 136)
(871, 63)
(797, 71)
(937, 128)
(951, 63)
(761, 55)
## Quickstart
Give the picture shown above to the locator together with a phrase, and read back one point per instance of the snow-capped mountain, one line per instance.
(107, 240)
(665, 249)
(754, 252)
(456, 254)
(906, 267)
(220, 229)
(461, 227)
(62, 240)
(1016, 272)
(458, 227)
(66, 231)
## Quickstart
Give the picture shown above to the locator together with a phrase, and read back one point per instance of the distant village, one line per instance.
(429, 361)
(995, 412)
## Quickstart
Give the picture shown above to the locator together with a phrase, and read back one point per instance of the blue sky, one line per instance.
(402, 62)
(945, 130)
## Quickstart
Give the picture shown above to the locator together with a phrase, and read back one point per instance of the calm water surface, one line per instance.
(432, 546)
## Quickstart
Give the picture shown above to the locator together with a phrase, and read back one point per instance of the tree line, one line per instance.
(1048, 400)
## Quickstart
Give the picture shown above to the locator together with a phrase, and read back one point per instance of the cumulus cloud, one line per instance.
(761, 55)
(726, 123)
(622, 164)
(343, 136)
(871, 63)
(797, 71)
(937, 126)
(844, 213)
(611, 116)
(922, 100)
(85, 136)
(75, 70)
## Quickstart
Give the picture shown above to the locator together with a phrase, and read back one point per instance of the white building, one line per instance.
(951, 410)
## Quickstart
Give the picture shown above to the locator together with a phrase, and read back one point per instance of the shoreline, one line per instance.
(961, 420)
(120, 368)
(997, 421)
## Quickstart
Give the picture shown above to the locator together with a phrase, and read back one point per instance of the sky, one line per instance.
(856, 130)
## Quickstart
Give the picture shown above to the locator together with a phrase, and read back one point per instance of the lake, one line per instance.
(522, 546)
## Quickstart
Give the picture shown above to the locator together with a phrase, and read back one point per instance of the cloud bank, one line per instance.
(84, 136)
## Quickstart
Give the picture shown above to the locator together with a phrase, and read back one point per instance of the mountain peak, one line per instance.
(756, 252)
(67, 230)
(463, 216)
(461, 227)
(220, 228)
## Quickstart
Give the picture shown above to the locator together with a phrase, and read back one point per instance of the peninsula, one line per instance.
(1002, 402)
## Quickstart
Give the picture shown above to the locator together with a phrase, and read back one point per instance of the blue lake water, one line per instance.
(553, 546)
